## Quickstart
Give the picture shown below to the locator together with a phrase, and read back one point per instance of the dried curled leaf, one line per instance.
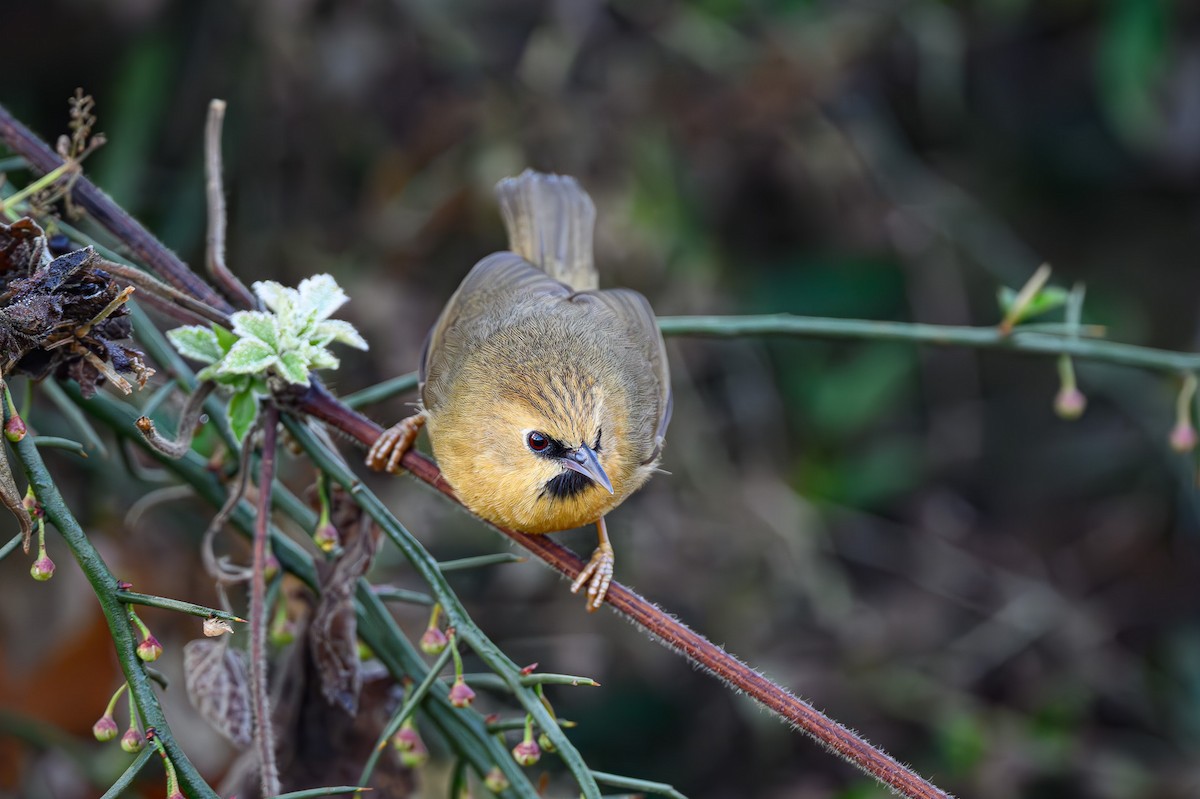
(218, 686)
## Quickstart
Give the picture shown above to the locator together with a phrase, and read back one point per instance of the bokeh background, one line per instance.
(908, 537)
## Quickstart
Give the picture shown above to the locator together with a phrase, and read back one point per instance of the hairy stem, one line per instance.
(264, 738)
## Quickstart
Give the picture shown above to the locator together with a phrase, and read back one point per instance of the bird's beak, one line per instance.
(584, 461)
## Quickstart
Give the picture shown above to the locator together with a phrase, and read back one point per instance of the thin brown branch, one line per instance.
(226, 281)
(264, 738)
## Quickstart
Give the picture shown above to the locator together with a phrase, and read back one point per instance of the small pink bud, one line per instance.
(133, 741)
(406, 738)
(495, 781)
(527, 752)
(433, 641)
(42, 569)
(1070, 403)
(1183, 437)
(105, 729)
(271, 567)
(326, 537)
(415, 757)
(461, 694)
(176, 795)
(150, 650)
(14, 429)
(546, 744)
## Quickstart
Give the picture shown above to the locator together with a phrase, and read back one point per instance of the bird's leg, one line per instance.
(598, 574)
(389, 448)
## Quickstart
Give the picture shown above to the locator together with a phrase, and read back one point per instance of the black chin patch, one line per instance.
(567, 484)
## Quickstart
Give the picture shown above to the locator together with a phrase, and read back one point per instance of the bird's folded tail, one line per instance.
(550, 221)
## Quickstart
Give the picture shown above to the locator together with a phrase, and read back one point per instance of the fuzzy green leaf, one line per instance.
(196, 342)
(321, 295)
(344, 332)
(247, 356)
(257, 324)
(293, 367)
(277, 297)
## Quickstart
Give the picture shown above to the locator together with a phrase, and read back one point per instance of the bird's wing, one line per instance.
(478, 310)
(637, 317)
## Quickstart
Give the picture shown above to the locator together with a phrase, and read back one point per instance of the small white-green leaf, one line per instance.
(293, 368)
(338, 330)
(321, 358)
(247, 356)
(242, 411)
(279, 298)
(196, 342)
(321, 295)
(257, 324)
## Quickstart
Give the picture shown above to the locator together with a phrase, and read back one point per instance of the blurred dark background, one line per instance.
(908, 537)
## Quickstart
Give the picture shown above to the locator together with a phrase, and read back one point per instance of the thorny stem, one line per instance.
(1020, 340)
(131, 598)
(263, 735)
(105, 586)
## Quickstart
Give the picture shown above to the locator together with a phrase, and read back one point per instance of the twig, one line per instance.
(190, 608)
(215, 193)
(942, 335)
(264, 738)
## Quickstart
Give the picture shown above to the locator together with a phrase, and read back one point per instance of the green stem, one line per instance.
(54, 442)
(126, 779)
(410, 705)
(112, 703)
(943, 335)
(12, 544)
(332, 791)
(382, 391)
(478, 561)
(386, 593)
(8, 204)
(617, 781)
(132, 598)
(105, 586)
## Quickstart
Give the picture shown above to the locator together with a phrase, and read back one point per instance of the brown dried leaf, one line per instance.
(218, 686)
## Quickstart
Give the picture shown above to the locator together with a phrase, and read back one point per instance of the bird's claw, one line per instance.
(388, 450)
(597, 576)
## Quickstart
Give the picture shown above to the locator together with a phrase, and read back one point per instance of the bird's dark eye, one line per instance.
(538, 442)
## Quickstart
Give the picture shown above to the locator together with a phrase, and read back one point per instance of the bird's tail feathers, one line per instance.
(550, 220)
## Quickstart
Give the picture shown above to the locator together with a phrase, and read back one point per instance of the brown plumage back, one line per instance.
(550, 221)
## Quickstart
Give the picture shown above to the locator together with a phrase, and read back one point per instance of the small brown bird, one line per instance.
(547, 399)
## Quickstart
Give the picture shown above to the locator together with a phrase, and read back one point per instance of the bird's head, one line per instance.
(540, 456)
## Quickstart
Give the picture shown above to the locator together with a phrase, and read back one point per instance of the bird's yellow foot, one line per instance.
(389, 448)
(597, 575)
